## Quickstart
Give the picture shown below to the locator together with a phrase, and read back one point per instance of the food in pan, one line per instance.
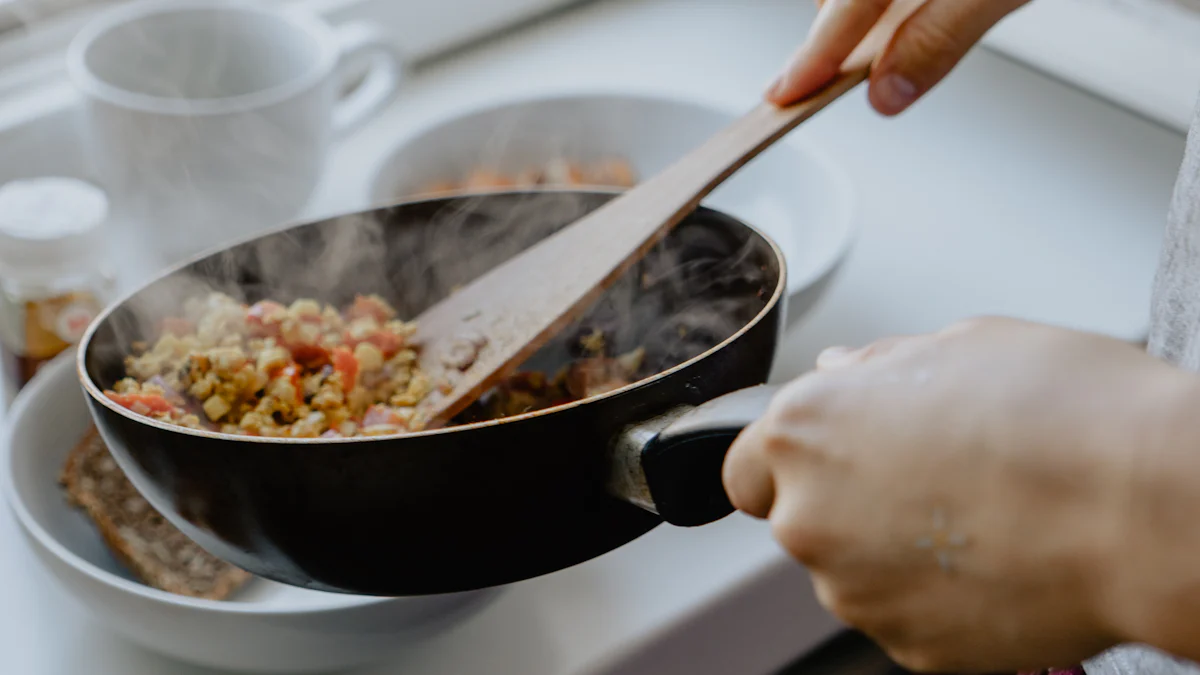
(593, 374)
(298, 371)
(308, 370)
(147, 544)
(558, 172)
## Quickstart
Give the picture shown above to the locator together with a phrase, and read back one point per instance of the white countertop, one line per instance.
(1004, 192)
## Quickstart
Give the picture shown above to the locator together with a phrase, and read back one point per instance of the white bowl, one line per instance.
(792, 192)
(269, 628)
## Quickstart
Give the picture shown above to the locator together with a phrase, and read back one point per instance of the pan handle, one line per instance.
(671, 465)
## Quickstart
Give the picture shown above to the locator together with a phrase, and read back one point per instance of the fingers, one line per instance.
(762, 480)
(759, 453)
(839, 27)
(748, 477)
(931, 37)
(927, 45)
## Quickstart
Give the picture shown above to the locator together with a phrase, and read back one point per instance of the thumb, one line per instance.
(928, 45)
(839, 27)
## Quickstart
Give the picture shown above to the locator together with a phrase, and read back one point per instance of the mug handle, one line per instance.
(381, 82)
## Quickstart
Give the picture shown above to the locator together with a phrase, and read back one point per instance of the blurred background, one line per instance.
(1034, 183)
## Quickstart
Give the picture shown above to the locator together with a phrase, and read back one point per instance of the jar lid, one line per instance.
(50, 224)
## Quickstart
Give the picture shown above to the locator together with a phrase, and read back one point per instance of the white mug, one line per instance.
(210, 120)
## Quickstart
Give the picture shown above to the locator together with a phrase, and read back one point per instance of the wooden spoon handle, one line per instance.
(665, 199)
(518, 306)
(521, 304)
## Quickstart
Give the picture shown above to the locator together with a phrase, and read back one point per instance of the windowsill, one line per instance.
(41, 36)
(32, 61)
(1147, 60)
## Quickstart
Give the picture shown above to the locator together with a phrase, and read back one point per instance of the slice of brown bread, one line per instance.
(149, 545)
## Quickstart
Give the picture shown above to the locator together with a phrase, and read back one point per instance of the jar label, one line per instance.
(73, 320)
(34, 331)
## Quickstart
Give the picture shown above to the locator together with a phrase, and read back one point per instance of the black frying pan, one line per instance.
(486, 503)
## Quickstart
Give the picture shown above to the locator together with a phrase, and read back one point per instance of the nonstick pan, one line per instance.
(483, 503)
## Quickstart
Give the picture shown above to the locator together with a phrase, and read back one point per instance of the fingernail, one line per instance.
(834, 356)
(894, 93)
(780, 84)
(775, 87)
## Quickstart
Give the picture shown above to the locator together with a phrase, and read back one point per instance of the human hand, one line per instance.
(924, 40)
(959, 497)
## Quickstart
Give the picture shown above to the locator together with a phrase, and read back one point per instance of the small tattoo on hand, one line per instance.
(942, 541)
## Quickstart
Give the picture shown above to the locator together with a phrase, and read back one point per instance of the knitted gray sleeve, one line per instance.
(1138, 660)
(1174, 337)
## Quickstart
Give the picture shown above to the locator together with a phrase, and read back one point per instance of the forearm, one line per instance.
(1154, 556)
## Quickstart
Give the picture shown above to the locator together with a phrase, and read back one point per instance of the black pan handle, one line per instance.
(671, 465)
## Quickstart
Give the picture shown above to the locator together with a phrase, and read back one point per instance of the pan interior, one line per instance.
(697, 288)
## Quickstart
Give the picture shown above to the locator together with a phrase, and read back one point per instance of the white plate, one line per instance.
(269, 627)
(792, 192)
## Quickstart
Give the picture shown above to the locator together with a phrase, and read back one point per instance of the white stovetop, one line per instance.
(1003, 193)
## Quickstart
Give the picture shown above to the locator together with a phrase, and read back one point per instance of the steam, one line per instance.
(184, 177)
(691, 292)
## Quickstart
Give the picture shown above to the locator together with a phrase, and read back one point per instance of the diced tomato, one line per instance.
(388, 342)
(265, 317)
(381, 414)
(345, 363)
(291, 372)
(310, 318)
(365, 305)
(177, 326)
(312, 356)
(141, 403)
(304, 343)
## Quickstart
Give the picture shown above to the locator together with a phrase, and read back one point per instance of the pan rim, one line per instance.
(94, 392)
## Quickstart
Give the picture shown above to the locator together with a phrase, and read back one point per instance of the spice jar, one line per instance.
(53, 277)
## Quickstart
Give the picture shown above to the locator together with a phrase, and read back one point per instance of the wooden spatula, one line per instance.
(483, 332)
